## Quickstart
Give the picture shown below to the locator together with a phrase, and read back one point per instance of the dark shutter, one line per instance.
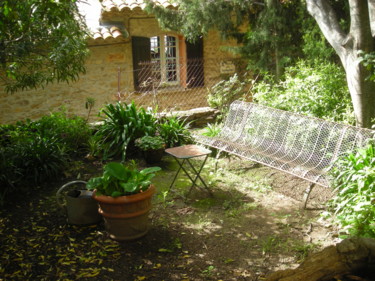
(141, 50)
(194, 55)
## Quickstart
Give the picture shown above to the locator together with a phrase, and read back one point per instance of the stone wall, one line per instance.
(101, 79)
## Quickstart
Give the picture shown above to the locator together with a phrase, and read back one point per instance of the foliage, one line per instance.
(124, 123)
(40, 42)
(118, 180)
(174, 130)
(274, 37)
(150, 143)
(212, 130)
(40, 158)
(10, 174)
(72, 132)
(368, 60)
(267, 29)
(317, 89)
(222, 94)
(27, 161)
(194, 18)
(315, 45)
(354, 180)
(34, 151)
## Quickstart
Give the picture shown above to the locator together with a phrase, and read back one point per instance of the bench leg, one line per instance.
(306, 194)
(217, 160)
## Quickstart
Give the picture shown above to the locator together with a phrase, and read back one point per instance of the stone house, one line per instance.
(132, 58)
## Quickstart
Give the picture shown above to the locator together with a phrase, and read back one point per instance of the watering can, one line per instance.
(78, 204)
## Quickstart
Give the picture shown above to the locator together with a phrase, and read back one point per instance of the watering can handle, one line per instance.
(59, 197)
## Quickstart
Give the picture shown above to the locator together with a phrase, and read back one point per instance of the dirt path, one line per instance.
(251, 227)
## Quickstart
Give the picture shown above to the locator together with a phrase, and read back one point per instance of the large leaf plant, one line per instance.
(118, 180)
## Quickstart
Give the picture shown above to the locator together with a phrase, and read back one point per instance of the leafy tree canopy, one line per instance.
(41, 41)
(269, 30)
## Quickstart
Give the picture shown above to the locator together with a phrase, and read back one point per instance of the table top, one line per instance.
(188, 151)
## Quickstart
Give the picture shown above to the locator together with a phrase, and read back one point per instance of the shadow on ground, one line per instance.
(247, 230)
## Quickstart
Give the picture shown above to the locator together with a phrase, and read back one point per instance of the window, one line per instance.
(168, 61)
(164, 59)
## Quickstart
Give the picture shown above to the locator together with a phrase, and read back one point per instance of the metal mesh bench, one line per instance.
(303, 146)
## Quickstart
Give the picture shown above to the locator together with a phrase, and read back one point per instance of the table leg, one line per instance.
(179, 169)
(197, 173)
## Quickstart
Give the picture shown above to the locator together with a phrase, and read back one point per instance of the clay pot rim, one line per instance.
(126, 198)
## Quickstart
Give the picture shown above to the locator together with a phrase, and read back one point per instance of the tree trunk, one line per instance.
(362, 92)
(272, 11)
(350, 257)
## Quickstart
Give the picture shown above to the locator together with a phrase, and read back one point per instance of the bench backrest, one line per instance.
(304, 146)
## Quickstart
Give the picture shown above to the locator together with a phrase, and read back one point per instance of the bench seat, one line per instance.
(303, 146)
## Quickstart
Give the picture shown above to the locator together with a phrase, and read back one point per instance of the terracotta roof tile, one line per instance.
(122, 5)
(113, 32)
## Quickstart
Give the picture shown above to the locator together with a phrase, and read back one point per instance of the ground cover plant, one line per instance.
(353, 207)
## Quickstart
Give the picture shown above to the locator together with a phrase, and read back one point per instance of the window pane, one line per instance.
(170, 46)
(155, 47)
(171, 69)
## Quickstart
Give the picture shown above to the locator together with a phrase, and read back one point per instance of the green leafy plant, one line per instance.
(40, 159)
(150, 143)
(354, 180)
(222, 94)
(124, 123)
(118, 180)
(368, 60)
(72, 132)
(34, 151)
(317, 89)
(212, 130)
(174, 131)
(10, 174)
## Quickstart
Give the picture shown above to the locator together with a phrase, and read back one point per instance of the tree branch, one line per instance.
(326, 18)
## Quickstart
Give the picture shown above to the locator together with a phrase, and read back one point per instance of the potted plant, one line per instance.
(152, 148)
(124, 197)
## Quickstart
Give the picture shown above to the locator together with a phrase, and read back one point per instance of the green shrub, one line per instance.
(222, 94)
(10, 174)
(174, 131)
(318, 90)
(34, 151)
(40, 158)
(72, 132)
(123, 124)
(150, 143)
(354, 179)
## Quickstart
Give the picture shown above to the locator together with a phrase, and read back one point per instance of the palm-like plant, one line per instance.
(174, 131)
(123, 124)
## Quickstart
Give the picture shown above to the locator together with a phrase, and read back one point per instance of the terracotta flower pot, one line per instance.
(126, 217)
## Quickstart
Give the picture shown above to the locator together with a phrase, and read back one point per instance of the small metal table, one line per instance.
(185, 153)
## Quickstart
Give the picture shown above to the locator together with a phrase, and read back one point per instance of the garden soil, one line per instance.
(252, 226)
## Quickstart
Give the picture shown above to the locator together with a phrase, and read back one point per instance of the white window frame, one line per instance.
(163, 58)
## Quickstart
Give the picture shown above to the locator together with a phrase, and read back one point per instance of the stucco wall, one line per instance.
(101, 78)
